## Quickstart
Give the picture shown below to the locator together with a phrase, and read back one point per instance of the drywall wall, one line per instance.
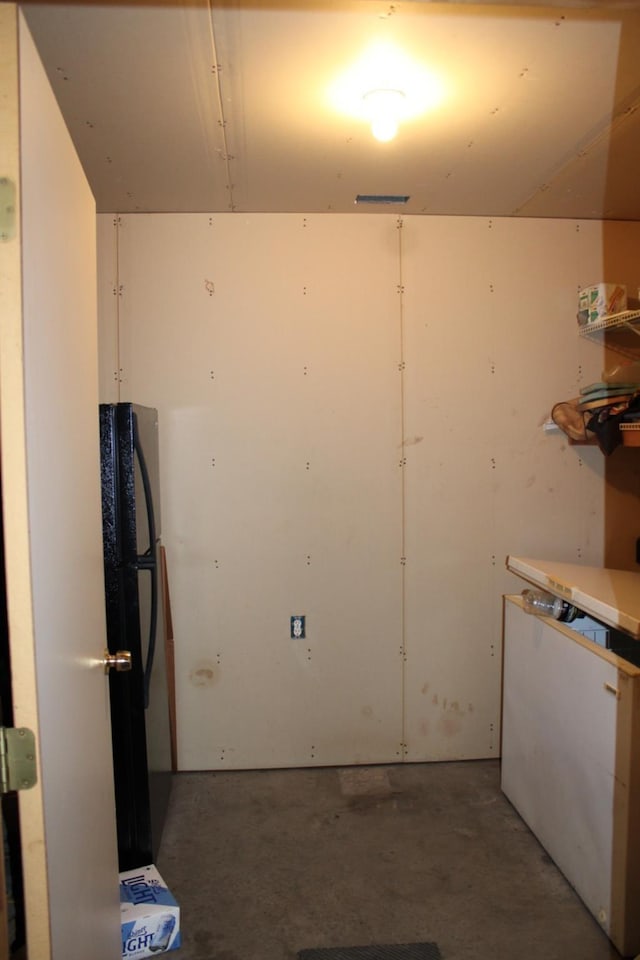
(491, 344)
(351, 414)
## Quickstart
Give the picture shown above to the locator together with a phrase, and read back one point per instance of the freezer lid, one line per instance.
(612, 596)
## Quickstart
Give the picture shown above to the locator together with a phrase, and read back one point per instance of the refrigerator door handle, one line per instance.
(148, 561)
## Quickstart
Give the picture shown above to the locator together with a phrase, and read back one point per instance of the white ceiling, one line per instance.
(195, 106)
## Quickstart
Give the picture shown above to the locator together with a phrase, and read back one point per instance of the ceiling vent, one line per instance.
(381, 198)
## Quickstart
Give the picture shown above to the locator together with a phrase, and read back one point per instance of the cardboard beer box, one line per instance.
(150, 916)
(601, 300)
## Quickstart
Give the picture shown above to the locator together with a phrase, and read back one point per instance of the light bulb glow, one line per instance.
(384, 129)
(385, 109)
(384, 69)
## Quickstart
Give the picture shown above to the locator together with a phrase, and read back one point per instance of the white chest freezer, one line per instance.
(612, 596)
(571, 737)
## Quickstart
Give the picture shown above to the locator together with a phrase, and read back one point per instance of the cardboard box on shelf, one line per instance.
(601, 300)
(149, 915)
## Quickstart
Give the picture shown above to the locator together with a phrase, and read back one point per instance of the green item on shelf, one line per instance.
(596, 391)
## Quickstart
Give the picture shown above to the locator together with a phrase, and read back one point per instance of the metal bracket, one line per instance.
(17, 759)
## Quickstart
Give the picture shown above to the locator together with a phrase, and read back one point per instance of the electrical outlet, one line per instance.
(298, 627)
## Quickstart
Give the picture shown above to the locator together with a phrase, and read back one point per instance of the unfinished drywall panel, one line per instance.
(108, 302)
(271, 345)
(277, 349)
(490, 344)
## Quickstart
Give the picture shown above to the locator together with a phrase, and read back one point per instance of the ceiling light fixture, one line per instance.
(385, 82)
(385, 109)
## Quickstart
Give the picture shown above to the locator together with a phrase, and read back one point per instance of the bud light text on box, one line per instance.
(142, 889)
(150, 916)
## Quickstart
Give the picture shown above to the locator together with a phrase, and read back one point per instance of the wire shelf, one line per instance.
(625, 327)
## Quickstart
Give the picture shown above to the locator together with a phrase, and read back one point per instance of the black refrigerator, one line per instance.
(134, 606)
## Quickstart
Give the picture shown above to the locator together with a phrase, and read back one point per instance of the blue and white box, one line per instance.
(149, 914)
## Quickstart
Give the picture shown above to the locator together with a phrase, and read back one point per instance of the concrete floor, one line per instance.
(267, 863)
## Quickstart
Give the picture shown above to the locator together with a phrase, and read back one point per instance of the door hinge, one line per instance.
(17, 759)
